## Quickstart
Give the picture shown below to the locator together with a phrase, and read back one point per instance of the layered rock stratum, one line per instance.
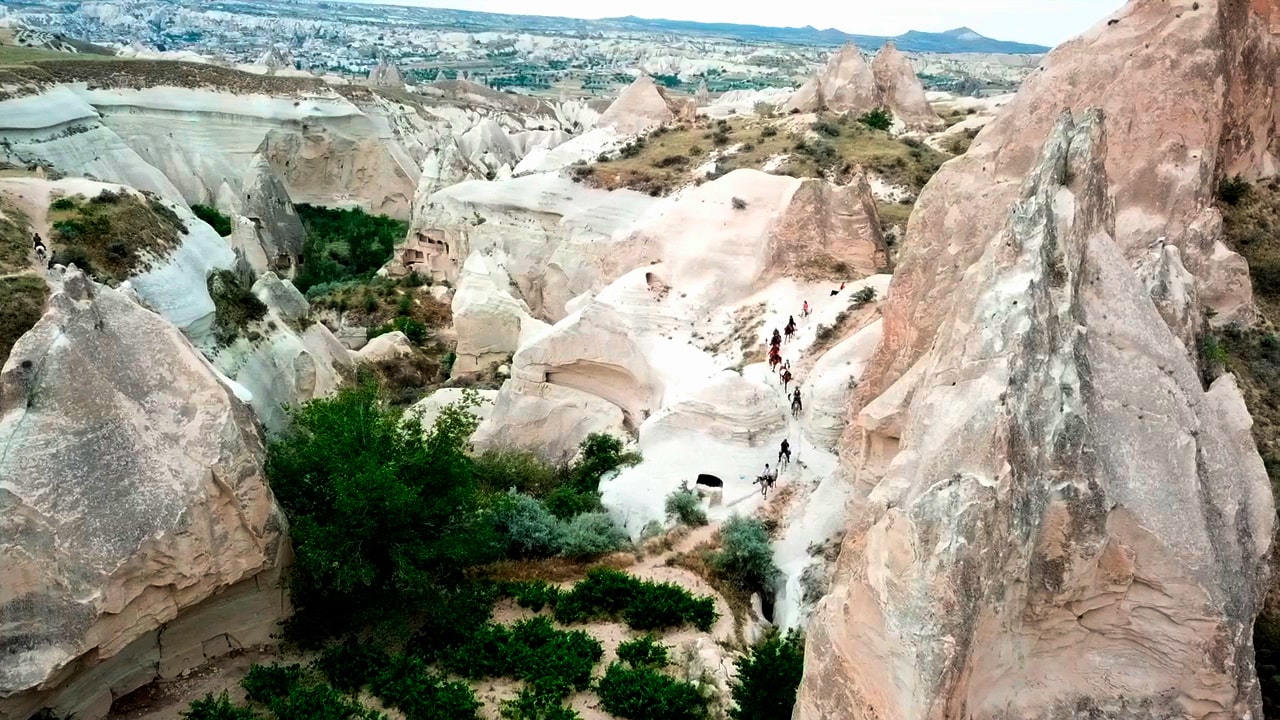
(1050, 514)
(132, 492)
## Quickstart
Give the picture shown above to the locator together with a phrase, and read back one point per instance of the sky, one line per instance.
(1047, 22)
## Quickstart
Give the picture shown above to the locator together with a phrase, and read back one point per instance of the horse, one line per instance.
(790, 332)
(796, 408)
(774, 361)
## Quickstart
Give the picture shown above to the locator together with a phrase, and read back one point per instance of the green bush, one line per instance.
(1233, 190)
(384, 518)
(63, 203)
(455, 616)
(826, 127)
(533, 595)
(768, 678)
(500, 471)
(22, 300)
(408, 685)
(746, 558)
(643, 605)
(554, 662)
(599, 454)
(412, 329)
(75, 256)
(567, 503)
(685, 506)
(352, 664)
(591, 534)
(217, 708)
(642, 652)
(862, 297)
(878, 119)
(533, 705)
(267, 683)
(646, 694)
(768, 131)
(320, 702)
(220, 223)
(527, 528)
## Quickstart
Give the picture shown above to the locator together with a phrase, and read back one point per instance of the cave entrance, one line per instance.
(709, 481)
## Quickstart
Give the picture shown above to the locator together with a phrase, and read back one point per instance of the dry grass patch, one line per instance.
(22, 299)
(554, 569)
(15, 239)
(112, 235)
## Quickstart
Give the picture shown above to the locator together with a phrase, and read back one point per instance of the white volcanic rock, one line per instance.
(555, 238)
(728, 407)
(388, 346)
(429, 408)
(386, 75)
(1049, 502)
(489, 322)
(641, 107)
(745, 102)
(281, 296)
(900, 89)
(265, 202)
(131, 492)
(830, 382)
(846, 84)
(582, 148)
(549, 420)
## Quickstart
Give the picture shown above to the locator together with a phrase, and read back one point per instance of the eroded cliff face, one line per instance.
(131, 491)
(1070, 522)
(1188, 89)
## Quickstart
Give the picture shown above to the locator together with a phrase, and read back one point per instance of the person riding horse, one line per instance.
(796, 406)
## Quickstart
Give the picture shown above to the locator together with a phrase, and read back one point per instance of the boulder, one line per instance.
(388, 346)
(545, 419)
(281, 296)
(133, 498)
(1060, 493)
(899, 88)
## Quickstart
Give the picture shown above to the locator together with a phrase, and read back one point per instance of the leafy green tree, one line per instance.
(878, 119)
(768, 678)
(220, 223)
(217, 708)
(345, 244)
(384, 517)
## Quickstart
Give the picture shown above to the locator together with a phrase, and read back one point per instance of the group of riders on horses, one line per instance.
(783, 367)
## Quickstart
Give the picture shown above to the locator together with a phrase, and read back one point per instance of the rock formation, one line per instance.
(386, 75)
(132, 494)
(264, 200)
(846, 84)
(899, 88)
(1043, 519)
(849, 84)
(489, 322)
(829, 227)
(641, 107)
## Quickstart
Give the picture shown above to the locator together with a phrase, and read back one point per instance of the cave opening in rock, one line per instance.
(710, 481)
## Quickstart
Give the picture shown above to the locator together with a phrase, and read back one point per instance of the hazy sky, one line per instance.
(1048, 22)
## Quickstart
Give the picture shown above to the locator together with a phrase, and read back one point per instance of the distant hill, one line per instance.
(959, 40)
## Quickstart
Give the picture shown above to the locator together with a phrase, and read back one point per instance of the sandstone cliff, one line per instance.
(642, 106)
(132, 492)
(1046, 521)
(899, 88)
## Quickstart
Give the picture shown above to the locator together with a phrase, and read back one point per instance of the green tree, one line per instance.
(768, 677)
(878, 119)
(384, 516)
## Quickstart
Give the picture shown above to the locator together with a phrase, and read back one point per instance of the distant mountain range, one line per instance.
(959, 40)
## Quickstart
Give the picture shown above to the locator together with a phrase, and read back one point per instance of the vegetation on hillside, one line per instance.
(22, 299)
(835, 146)
(345, 244)
(1251, 227)
(768, 678)
(112, 235)
(236, 308)
(22, 296)
(220, 223)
